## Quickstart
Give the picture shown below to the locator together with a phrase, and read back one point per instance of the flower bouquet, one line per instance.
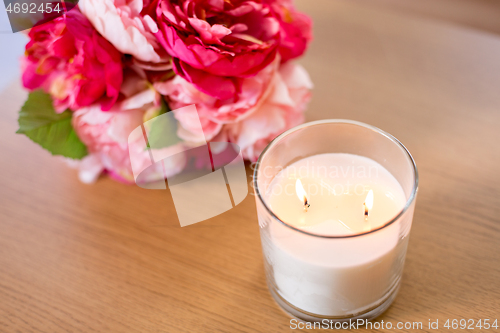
(105, 67)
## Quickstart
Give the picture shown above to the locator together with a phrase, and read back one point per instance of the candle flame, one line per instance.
(368, 203)
(301, 194)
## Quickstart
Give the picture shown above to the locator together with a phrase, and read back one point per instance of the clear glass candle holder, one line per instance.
(348, 277)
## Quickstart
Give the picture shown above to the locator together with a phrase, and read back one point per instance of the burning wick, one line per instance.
(368, 204)
(301, 194)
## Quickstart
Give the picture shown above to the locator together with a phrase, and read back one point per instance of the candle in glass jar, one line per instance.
(334, 194)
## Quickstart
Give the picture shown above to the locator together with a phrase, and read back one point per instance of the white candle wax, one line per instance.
(348, 275)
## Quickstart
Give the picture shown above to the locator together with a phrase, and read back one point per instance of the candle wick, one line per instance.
(366, 212)
(306, 206)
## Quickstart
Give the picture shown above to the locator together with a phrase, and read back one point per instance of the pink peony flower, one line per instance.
(281, 110)
(106, 136)
(214, 112)
(217, 43)
(296, 29)
(71, 61)
(120, 22)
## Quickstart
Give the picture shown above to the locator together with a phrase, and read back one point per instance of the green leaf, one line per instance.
(163, 130)
(53, 131)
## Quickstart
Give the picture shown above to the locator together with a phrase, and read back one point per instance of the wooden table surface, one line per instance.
(113, 258)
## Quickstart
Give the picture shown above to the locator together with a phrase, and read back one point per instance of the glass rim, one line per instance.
(407, 205)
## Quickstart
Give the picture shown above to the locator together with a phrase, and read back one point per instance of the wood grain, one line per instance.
(112, 258)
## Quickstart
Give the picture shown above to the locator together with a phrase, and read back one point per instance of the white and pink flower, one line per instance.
(121, 23)
(113, 62)
(106, 136)
(272, 102)
(282, 109)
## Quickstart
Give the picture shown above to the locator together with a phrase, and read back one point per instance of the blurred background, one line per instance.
(110, 257)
